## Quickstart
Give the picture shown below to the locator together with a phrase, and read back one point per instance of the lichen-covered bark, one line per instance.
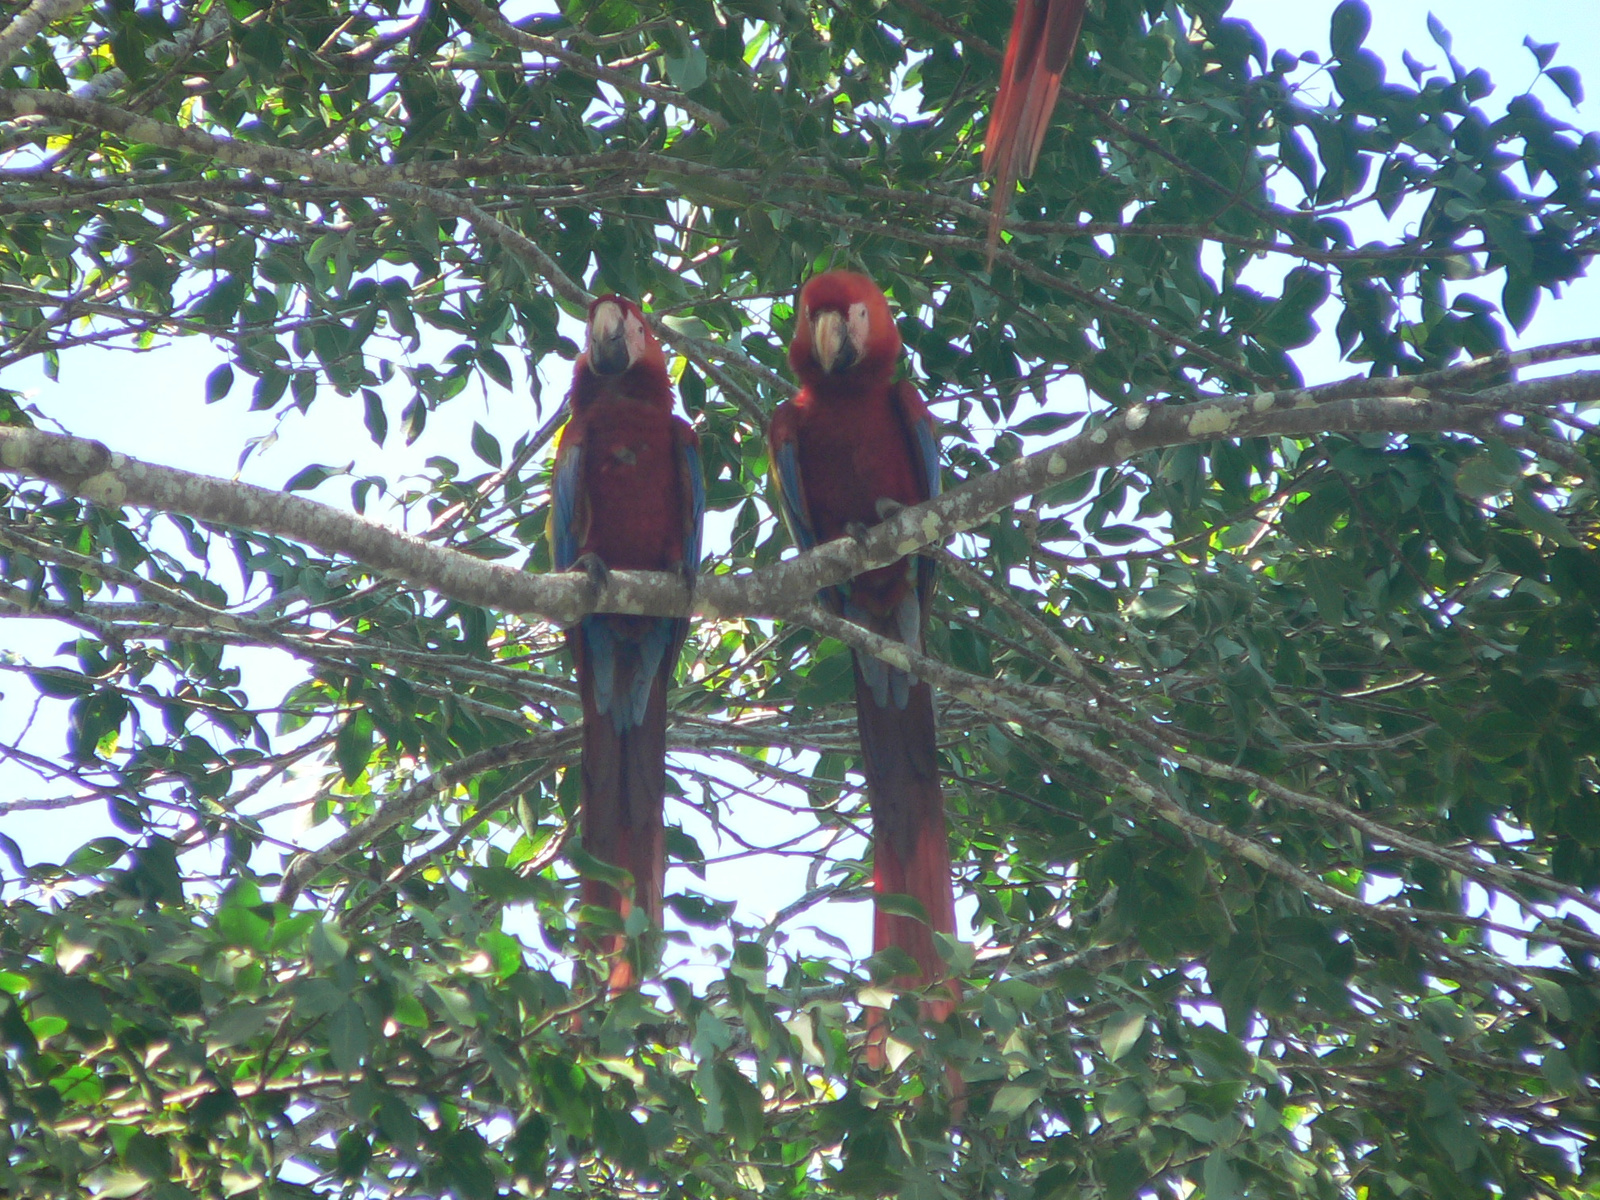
(91, 470)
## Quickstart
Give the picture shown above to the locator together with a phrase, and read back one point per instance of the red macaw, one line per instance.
(851, 447)
(1043, 35)
(626, 493)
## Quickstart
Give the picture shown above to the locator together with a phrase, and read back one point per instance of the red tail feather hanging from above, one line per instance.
(1043, 36)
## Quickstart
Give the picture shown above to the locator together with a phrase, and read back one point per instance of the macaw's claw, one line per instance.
(595, 568)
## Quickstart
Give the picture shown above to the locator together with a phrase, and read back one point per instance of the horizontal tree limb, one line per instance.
(1407, 405)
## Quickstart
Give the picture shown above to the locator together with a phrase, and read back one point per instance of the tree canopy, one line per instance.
(1270, 704)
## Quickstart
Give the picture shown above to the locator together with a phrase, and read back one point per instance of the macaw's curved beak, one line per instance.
(831, 342)
(608, 340)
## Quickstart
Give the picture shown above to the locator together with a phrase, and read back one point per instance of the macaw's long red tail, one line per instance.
(911, 853)
(624, 665)
(1043, 36)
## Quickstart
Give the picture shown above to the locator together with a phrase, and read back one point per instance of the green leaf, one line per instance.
(485, 445)
(354, 745)
(1552, 997)
(244, 928)
(1013, 1100)
(1481, 477)
(1044, 424)
(61, 683)
(347, 1036)
(1559, 1073)
(307, 478)
(1352, 21)
(1120, 1033)
(1537, 519)
(219, 383)
(373, 416)
(900, 905)
(1439, 33)
(495, 366)
(688, 71)
(351, 1154)
(1325, 582)
(1568, 80)
(1159, 603)
(1221, 1177)
(96, 856)
(1500, 735)
(238, 1025)
(1542, 52)
(328, 946)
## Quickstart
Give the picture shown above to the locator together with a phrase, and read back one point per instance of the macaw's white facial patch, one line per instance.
(638, 337)
(860, 325)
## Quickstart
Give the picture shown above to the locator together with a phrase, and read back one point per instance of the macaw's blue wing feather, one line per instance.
(908, 616)
(695, 502)
(569, 517)
(888, 684)
(652, 647)
(624, 655)
(925, 444)
(600, 653)
(926, 439)
(792, 493)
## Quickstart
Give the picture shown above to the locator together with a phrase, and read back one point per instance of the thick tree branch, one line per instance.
(19, 32)
(1406, 405)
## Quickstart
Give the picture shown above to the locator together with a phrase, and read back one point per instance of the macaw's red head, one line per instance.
(621, 357)
(844, 333)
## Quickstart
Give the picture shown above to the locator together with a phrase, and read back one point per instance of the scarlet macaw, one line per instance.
(851, 447)
(626, 493)
(1043, 35)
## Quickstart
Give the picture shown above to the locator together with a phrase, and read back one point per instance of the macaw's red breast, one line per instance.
(854, 451)
(634, 484)
(851, 426)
